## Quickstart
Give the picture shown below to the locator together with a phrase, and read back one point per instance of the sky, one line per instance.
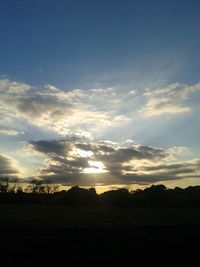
(100, 93)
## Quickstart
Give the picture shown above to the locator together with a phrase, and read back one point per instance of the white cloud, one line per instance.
(10, 132)
(63, 111)
(82, 114)
(9, 87)
(96, 111)
(168, 100)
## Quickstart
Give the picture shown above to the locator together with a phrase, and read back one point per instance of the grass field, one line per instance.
(97, 235)
(17, 215)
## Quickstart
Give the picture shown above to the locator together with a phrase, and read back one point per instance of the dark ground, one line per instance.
(100, 245)
(101, 242)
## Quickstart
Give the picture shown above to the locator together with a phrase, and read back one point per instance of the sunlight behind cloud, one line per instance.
(96, 167)
(79, 132)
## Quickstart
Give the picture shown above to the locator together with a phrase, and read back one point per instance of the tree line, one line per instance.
(156, 195)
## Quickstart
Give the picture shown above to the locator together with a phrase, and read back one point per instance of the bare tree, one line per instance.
(50, 188)
(46, 187)
(7, 185)
(34, 186)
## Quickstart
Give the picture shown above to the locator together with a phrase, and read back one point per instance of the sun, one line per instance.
(96, 167)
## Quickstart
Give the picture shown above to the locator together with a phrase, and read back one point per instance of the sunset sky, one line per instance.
(100, 93)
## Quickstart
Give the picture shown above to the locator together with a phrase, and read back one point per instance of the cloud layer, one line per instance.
(63, 111)
(75, 116)
(10, 132)
(92, 110)
(7, 167)
(70, 162)
(168, 100)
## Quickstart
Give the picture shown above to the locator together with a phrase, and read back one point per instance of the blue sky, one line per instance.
(82, 43)
(100, 72)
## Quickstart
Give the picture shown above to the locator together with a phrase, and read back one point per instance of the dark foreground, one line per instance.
(101, 242)
(100, 245)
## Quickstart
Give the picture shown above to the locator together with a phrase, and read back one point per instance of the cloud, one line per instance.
(60, 111)
(159, 173)
(13, 88)
(7, 167)
(168, 100)
(10, 132)
(48, 147)
(96, 111)
(73, 162)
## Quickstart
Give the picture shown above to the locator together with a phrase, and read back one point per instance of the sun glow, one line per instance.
(96, 167)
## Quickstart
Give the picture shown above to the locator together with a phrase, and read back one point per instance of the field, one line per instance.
(61, 216)
(97, 236)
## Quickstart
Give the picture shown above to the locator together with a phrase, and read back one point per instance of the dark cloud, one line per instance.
(6, 167)
(86, 147)
(35, 105)
(75, 162)
(125, 154)
(170, 167)
(83, 179)
(66, 164)
(47, 147)
(96, 148)
(114, 160)
(166, 172)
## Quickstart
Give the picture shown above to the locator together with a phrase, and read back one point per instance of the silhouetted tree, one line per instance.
(34, 186)
(41, 187)
(119, 197)
(77, 196)
(40, 192)
(8, 185)
(49, 188)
